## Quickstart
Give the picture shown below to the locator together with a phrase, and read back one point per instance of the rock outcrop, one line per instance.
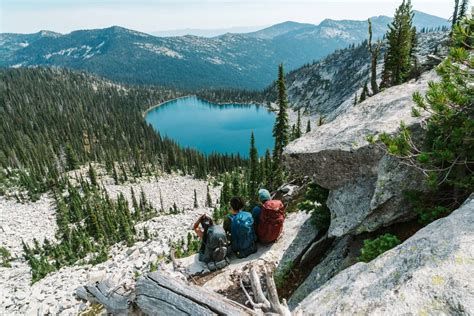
(365, 184)
(430, 273)
(328, 87)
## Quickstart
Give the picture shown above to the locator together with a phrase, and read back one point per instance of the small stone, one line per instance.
(96, 276)
(135, 254)
(20, 295)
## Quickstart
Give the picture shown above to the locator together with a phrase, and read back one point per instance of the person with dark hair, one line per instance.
(239, 227)
(213, 249)
(201, 227)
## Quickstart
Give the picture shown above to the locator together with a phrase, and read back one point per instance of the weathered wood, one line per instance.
(272, 305)
(257, 289)
(160, 294)
(103, 293)
(277, 307)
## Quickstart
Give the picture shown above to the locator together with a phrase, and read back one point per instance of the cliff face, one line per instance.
(363, 180)
(328, 87)
(430, 273)
(365, 184)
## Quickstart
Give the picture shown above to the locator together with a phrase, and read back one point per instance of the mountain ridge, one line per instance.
(236, 60)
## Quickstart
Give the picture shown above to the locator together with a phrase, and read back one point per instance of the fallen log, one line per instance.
(105, 294)
(157, 293)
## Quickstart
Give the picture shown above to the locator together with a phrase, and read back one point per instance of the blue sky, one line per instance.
(27, 16)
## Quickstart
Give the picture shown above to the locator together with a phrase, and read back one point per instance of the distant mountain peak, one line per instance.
(49, 33)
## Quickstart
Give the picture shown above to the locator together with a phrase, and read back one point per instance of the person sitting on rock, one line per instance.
(269, 217)
(239, 226)
(263, 196)
(213, 249)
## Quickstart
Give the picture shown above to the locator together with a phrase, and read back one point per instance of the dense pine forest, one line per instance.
(57, 120)
(232, 96)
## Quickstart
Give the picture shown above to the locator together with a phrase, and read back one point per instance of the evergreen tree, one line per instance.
(280, 129)
(196, 204)
(298, 125)
(454, 18)
(92, 175)
(308, 126)
(136, 208)
(71, 158)
(356, 100)
(321, 120)
(208, 198)
(267, 169)
(364, 94)
(253, 166)
(445, 156)
(225, 192)
(236, 187)
(463, 9)
(374, 52)
(115, 175)
(400, 38)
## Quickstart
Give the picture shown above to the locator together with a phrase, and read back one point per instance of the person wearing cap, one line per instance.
(263, 196)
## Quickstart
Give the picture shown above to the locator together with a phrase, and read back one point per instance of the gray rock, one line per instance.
(334, 261)
(430, 273)
(393, 179)
(20, 295)
(350, 205)
(317, 249)
(306, 235)
(365, 184)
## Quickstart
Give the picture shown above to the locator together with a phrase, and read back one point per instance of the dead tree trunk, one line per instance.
(269, 304)
(160, 294)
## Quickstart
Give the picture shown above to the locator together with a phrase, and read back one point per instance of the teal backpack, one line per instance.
(243, 234)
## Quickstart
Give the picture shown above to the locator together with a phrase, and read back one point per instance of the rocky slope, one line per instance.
(365, 183)
(55, 293)
(432, 273)
(230, 60)
(328, 87)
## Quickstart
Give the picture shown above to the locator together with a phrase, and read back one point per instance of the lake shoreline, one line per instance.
(160, 104)
(204, 99)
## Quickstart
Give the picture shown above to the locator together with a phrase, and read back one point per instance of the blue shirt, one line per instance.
(256, 214)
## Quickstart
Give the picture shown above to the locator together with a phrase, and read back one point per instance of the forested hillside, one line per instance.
(56, 120)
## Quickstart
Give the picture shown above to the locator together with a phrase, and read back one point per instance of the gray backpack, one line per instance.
(215, 253)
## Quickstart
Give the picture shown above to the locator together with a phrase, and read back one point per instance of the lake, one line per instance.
(212, 128)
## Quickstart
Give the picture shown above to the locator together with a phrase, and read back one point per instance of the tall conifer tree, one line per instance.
(280, 129)
(253, 165)
(400, 36)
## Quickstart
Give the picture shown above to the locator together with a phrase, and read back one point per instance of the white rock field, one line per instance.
(55, 293)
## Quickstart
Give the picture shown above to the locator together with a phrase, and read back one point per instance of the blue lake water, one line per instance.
(212, 128)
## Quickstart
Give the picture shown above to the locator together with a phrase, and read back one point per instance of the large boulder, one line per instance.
(431, 273)
(366, 185)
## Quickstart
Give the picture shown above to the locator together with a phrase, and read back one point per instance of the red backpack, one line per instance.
(271, 221)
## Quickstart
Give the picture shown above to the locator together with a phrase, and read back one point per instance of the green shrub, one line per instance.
(445, 155)
(375, 247)
(5, 258)
(282, 275)
(315, 203)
